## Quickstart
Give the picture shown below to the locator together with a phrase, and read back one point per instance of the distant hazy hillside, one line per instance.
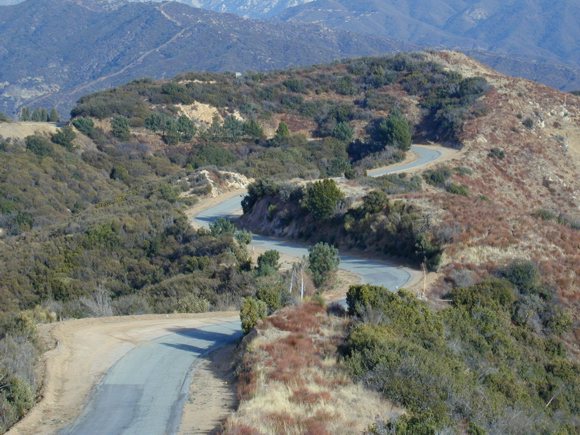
(58, 50)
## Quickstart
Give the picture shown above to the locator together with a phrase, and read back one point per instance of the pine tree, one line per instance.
(53, 116)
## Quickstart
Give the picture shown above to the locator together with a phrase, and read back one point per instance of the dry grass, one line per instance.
(291, 382)
(541, 170)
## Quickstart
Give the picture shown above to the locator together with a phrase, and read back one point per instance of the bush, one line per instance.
(394, 131)
(360, 298)
(252, 311)
(523, 274)
(120, 128)
(323, 260)
(85, 125)
(64, 137)
(222, 226)
(39, 145)
(496, 153)
(458, 189)
(268, 262)
(322, 198)
(437, 177)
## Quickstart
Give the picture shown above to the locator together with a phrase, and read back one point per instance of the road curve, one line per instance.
(425, 156)
(144, 392)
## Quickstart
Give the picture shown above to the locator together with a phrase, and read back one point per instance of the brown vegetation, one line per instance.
(290, 380)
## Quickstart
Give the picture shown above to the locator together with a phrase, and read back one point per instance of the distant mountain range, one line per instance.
(54, 51)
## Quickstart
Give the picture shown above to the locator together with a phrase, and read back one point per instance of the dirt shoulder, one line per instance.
(84, 351)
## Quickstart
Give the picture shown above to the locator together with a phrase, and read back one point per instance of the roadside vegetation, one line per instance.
(320, 212)
(492, 362)
(321, 122)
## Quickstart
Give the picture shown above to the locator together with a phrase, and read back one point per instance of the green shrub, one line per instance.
(437, 177)
(322, 198)
(39, 145)
(252, 311)
(457, 189)
(394, 131)
(120, 128)
(85, 125)
(496, 153)
(323, 260)
(64, 137)
(222, 226)
(268, 262)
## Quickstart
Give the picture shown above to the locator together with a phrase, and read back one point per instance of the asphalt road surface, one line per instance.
(144, 392)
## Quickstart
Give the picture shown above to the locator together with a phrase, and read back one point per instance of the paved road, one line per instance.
(144, 392)
(425, 155)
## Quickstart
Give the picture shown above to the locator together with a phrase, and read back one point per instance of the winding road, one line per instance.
(145, 390)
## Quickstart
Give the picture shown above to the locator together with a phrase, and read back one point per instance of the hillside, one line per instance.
(60, 50)
(536, 32)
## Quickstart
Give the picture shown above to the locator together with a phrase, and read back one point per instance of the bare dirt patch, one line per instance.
(212, 395)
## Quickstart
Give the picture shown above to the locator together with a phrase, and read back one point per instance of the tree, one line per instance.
(85, 125)
(268, 262)
(343, 131)
(120, 128)
(53, 116)
(64, 137)
(25, 114)
(39, 145)
(221, 226)
(394, 131)
(323, 260)
(322, 197)
(252, 311)
(186, 128)
(282, 132)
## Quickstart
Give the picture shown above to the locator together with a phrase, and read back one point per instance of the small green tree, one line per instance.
(282, 132)
(85, 125)
(322, 198)
(394, 131)
(64, 137)
(243, 237)
(271, 294)
(120, 128)
(343, 131)
(25, 114)
(53, 116)
(222, 226)
(323, 260)
(39, 145)
(252, 311)
(186, 128)
(268, 262)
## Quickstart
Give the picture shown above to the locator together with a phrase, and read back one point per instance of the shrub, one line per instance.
(528, 123)
(222, 226)
(360, 298)
(39, 145)
(322, 198)
(458, 189)
(523, 274)
(323, 259)
(268, 262)
(496, 153)
(394, 131)
(120, 128)
(252, 311)
(85, 125)
(271, 294)
(437, 177)
(64, 137)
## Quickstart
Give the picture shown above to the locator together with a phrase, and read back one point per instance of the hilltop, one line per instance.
(60, 50)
